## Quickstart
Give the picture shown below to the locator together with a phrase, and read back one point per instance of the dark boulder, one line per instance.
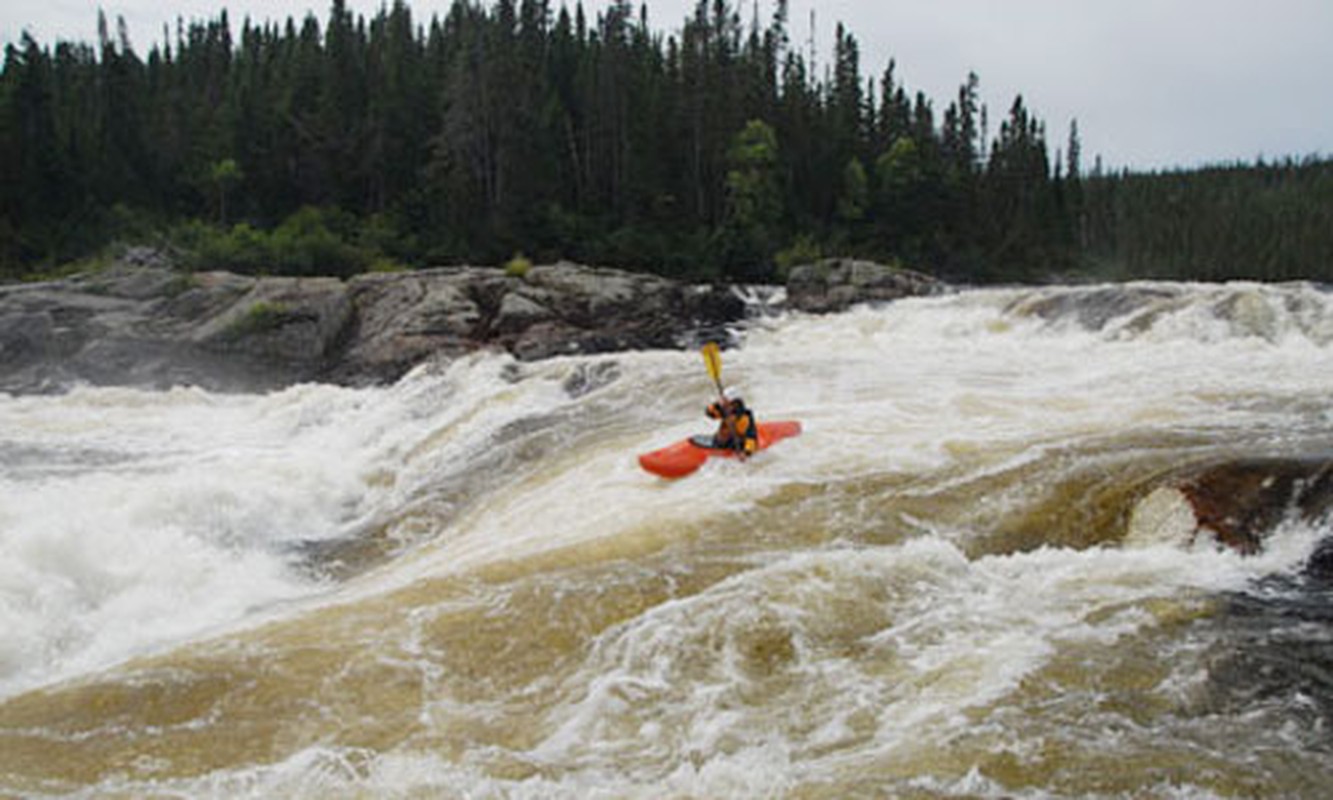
(1238, 503)
(1320, 565)
(1242, 502)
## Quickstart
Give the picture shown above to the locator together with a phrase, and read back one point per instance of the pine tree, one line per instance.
(754, 200)
(1019, 201)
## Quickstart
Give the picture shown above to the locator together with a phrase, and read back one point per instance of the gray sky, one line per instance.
(1152, 83)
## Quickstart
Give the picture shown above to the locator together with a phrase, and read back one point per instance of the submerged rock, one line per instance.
(1270, 312)
(1094, 307)
(145, 324)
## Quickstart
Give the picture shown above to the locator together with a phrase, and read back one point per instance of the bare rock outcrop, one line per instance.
(836, 284)
(146, 324)
(558, 309)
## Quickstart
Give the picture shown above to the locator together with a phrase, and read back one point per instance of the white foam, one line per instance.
(131, 521)
(892, 648)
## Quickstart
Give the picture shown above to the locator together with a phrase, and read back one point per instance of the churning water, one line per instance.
(463, 585)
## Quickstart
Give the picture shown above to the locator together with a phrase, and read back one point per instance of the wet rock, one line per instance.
(1242, 502)
(1320, 565)
(1238, 504)
(836, 284)
(1249, 314)
(588, 378)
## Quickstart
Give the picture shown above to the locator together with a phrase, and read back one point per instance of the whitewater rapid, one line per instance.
(463, 584)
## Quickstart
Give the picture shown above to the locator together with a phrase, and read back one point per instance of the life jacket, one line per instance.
(742, 419)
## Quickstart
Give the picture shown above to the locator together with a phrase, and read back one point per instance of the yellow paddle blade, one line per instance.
(713, 358)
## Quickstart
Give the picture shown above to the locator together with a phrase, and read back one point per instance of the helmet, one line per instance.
(732, 395)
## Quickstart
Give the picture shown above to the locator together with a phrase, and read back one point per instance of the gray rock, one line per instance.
(293, 320)
(142, 324)
(151, 326)
(836, 284)
(403, 319)
(519, 312)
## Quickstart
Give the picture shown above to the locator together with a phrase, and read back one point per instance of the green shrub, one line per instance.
(518, 267)
(386, 236)
(244, 249)
(180, 284)
(241, 249)
(311, 242)
(386, 264)
(261, 317)
(805, 250)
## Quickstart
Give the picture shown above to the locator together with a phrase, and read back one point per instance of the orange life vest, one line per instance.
(738, 418)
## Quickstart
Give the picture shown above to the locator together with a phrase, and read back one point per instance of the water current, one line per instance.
(462, 585)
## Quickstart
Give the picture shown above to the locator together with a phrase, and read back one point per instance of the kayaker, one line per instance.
(737, 430)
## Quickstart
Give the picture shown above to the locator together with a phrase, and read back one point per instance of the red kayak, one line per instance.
(687, 455)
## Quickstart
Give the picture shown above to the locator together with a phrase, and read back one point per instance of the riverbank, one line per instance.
(142, 322)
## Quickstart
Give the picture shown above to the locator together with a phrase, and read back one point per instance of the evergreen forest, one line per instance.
(718, 150)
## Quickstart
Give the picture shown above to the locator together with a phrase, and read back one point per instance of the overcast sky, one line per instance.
(1152, 83)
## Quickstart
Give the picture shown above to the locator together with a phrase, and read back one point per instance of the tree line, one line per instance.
(715, 151)
(1266, 221)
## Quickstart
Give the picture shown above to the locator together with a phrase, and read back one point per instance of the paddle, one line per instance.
(713, 360)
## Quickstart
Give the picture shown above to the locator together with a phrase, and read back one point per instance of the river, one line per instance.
(462, 585)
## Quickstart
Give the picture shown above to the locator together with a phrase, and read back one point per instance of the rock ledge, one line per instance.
(145, 324)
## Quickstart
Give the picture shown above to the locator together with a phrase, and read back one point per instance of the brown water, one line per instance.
(462, 586)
